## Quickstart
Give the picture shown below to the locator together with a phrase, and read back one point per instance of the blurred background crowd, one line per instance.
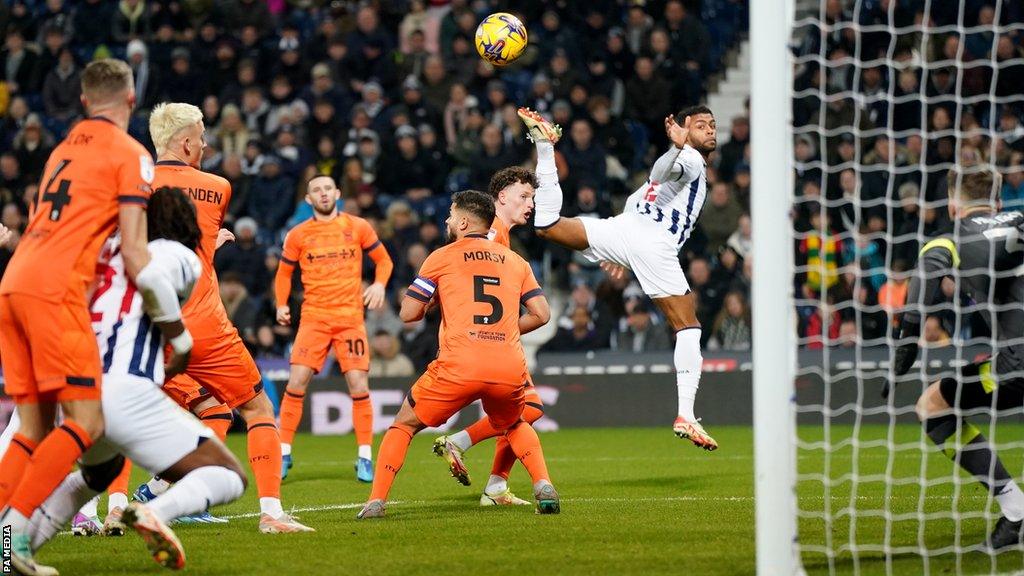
(390, 98)
(880, 119)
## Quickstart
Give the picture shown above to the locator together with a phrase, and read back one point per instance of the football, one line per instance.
(500, 38)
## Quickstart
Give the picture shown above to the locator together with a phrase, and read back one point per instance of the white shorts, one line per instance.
(633, 241)
(145, 425)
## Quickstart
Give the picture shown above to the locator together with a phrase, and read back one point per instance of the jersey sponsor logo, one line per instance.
(486, 336)
(204, 195)
(344, 254)
(147, 170)
(483, 256)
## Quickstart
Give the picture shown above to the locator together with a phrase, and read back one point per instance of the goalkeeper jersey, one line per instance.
(986, 253)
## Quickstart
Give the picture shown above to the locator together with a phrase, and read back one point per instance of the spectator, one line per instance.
(639, 333)
(1013, 183)
(740, 241)
(19, 63)
(383, 319)
(492, 156)
(732, 152)
(245, 257)
(732, 330)
(583, 155)
(580, 336)
(709, 293)
(131, 21)
(242, 309)
(62, 89)
(934, 334)
(147, 76)
(182, 84)
(721, 217)
(820, 251)
(271, 199)
(32, 146)
(419, 341)
(648, 100)
(386, 361)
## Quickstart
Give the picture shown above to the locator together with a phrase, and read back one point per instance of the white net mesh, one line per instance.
(888, 96)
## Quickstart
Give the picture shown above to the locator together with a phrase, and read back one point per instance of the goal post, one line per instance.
(774, 330)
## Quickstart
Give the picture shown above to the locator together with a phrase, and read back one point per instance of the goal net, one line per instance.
(886, 96)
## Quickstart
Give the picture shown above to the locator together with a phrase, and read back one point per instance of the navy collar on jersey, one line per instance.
(484, 236)
(101, 119)
(171, 163)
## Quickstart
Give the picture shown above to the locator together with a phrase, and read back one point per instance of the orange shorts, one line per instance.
(435, 399)
(220, 367)
(532, 398)
(49, 350)
(316, 336)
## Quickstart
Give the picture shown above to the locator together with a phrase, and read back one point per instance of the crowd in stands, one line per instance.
(390, 98)
(881, 116)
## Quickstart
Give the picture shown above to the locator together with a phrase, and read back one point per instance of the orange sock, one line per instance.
(362, 419)
(218, 418)
(265, 456)
(526, 445)
(50, 463)
(13, 465)
(291, 414)
(481, 430)
(120, 484)
(390, 457)
(504, 457)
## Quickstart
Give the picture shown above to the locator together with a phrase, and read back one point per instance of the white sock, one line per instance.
(540, 484)
(286, 449)
(496, 485)
(116, 500)
(271, 506)
(365, 451)
(90, 508)
(17, 521)
(688, 363)
(548, 201)
(158, 485)
(71, 495)
(1011, 502)
(462, 440)
(196, 492)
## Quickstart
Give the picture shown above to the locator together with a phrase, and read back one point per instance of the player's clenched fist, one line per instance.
(284, 315)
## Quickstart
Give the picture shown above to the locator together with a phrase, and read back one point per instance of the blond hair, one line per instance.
(105, 79)
(169, 118)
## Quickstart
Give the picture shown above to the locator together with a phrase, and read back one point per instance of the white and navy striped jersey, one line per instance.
(130, 344)
(674, 194)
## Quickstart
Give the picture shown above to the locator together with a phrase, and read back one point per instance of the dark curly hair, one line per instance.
(508, 176)
(476, 203)
(172, 215)
(692, 111)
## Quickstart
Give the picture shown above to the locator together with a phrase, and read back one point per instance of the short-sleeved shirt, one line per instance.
(480, 285)
(97, 168)
(204, 313)
(329, 255)
(500, 233)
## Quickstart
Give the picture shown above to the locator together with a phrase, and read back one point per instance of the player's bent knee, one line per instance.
(257, 407)
(931, 402)
(99, 476)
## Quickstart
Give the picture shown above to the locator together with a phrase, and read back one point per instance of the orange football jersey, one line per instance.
(88, 176)
(330, 258)
(480, 285)
(204, 313)
(500, 233)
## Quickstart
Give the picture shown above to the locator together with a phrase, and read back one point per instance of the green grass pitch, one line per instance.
(635, 501)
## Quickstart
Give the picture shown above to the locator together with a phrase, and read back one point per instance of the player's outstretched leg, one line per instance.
(964, 443)
(548, 200)
(393, 449)
(526, 444)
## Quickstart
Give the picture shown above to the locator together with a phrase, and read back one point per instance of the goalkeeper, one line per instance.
(987, 252)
